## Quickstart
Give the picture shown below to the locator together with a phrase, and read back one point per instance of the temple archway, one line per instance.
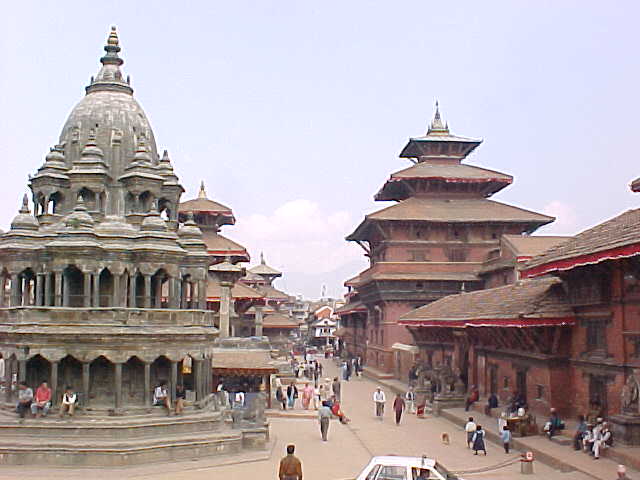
(70, 373)
(133, 392)
(72, 287)
(161, 370)
(158, 281)
(106, 288)
(38, 371)
(101, 382)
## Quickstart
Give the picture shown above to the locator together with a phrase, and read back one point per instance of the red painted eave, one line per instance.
(492, 322)
(582, 260)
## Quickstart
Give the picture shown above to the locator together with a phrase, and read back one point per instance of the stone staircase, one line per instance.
(98, 439)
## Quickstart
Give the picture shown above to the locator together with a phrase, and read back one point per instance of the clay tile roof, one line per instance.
(352, 282)
(204, 205)
(279, 320)
(272, 293)
(466, 210)
(449, 171)
(242, 359)
(348, 308)
(263, 269)
(238, 291)
(220, 245)
(532, 302)
(530, 246)
(618, 237)
(425, 276)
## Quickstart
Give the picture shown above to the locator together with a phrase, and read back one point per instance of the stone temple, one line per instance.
(104, 290)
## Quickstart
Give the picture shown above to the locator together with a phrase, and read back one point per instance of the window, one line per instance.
(417, 256)
(505, 383)
(392, 472)
(457, 255)
(596, 335)
(419, 285)
(374, 471)
(539, 392)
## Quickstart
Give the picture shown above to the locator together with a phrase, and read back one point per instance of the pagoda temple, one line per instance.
(431, 243)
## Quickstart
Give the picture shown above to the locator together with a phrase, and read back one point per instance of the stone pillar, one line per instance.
(115, 302)
(225, 307)
(48, 293)
(26, 292)
(86, 370)
(158, 293)
(202, 295)
(183, 294)
(65, 290)
(58, 289)
(16, 298)
(147, 384)
(86, 290)
(39, 289)
(174, 381)
(118, 385)
(96, 289)
(173, 294)
(258, 309)
(147, 291)
(22, 370)
(53, 383)
(132, 290)
(197, 370)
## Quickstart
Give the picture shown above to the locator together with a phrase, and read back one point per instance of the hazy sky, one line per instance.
(294, 112)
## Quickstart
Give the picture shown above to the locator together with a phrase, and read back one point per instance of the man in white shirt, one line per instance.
(410, 400)
(379, 400)
(69, 400)
(161, 396)
(470, 429)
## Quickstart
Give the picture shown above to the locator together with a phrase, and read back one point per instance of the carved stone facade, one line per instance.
(102, 288)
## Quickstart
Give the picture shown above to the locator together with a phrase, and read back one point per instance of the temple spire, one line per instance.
(110, 77)
(437, 127)
(25, 205)
(262, 262)
(202, 193)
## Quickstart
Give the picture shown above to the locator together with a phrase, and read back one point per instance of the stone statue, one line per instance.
(630, 396)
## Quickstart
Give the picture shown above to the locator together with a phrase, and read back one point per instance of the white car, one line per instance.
(393, 467)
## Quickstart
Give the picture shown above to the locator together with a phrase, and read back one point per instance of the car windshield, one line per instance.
(444, 473)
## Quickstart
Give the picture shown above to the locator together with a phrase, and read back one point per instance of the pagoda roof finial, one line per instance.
(262, 262)
(110, 77)
(25, 205)
(202, 193)
(437, 127)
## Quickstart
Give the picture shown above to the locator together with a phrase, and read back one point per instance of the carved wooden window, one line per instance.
(457, 254)
(417, 255)
(539, 392)
(505, 383)
(588, 288)
(596, 334)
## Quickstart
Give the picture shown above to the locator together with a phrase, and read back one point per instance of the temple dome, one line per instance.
(110, 110)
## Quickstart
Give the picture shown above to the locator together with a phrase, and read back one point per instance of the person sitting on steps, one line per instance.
(161, 396)
(69, 401)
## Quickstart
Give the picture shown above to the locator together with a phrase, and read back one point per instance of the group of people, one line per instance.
(592, 438)
(162, 397)
(308, 367)
(40, 403)
(350, 367)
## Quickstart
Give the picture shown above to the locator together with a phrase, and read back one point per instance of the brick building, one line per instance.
(431, 243)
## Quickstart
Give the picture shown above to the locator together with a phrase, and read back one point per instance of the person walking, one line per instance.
(282, 400)
(292, 394)
(505, 435)
(398, 407)
(336, 388)
(307, 396)
(470, 428)
(410, 400)
(379, 400)
(478, 441)
(290, 466)
(324, 417)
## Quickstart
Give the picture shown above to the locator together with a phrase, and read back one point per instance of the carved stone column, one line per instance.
(174, 381)
(58, 289)
(96, 289)
(174, 298)
(147, 384)
(158, 294)
(147, 291)
(183, 294)
(65, 290)
(22, 370)
(202, 295)
(48, 293)
(39, 289)
(53, 383)
(132, 291)
(86, 370)
(115, 301)
(118, 385)
(16, 296)
(86, 291)
(258, 309)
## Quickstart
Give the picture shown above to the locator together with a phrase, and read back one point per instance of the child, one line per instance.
(478, 441)
(506, 438)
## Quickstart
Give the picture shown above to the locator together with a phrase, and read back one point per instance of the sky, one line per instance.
(294, 113)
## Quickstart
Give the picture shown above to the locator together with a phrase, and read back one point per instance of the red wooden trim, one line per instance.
(491, 322)
(581, 260)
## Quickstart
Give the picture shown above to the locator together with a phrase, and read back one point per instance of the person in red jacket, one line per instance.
(42, 401)
(473, 397)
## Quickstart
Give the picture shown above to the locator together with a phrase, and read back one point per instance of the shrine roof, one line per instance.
(279, 320)
(616, 238)
(272, 293)
(242, 360)
(352, 282)
(424, 276)
(263, 269)
(222, 246)
(202, 204)
(531, 302)
(451, 172)
(349, 308)
(239, 291)
(532, 245)
(452, 210)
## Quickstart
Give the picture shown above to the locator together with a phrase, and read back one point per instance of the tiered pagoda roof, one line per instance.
(217, 213)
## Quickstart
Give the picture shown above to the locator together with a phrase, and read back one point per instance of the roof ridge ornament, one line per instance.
(437, 127)
(202, 193)
(25, 205)
(110, 77)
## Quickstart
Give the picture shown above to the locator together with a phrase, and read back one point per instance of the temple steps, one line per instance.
(84, 450)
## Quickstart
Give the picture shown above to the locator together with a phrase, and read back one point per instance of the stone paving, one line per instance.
(349, 448)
